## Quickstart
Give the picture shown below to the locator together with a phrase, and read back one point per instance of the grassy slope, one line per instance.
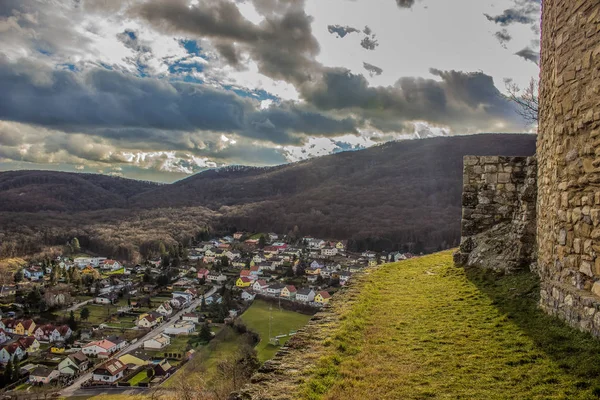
(424, 329)
(257, 319)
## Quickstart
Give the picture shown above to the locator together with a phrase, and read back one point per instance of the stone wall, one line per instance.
(569, 162)
(498, 220)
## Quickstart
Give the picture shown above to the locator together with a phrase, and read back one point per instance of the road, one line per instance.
(70, 390)
(78, 305)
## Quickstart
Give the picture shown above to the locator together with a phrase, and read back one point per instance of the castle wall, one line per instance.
(569, 162)
(499, 218)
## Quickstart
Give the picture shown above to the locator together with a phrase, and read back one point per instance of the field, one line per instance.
(139, 377)
(282, 322)
(425, 329)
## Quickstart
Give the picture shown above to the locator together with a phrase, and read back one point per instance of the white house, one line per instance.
(189, 296)
(109, 372)
(110, 265)
(329, 251)
(179, 302)
(216, 278)
(305, 295)
(147, 321)
(180, 328)
(260, 286)
(275, 289)
(165, 309)
(99, 348)
(191, 317)
(83, 262)
(74, 364)
(43, 375)
(10, 352)
(247, 296)
(3, 336)
(157, 342)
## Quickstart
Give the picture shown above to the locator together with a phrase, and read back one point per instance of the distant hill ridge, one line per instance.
(407, 191)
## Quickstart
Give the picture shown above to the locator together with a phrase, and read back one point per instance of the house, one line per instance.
(243, 282)
(322, 298)
(43, 375)
(312, 278)
(24, 327)
(10, 352)
(232, 255)
(289, 292)
(396, 256)
(305, 295)
(83, 262)
(329, 251)
(74, 364)
(315, 265)
(247, 295)
(4, 336)
(109, 372)
(372, 262)
(165, 309)
(136, 358)
(33, 273)
(119, 342)
(255, 270)
(179, 302)
(341, 245)
(157, 342)
(163, 368)
(275, 289)
(238, 263)
(29, 344)
(191, 317)
(180, 328)
(260, 285)
(110, 265)
(99, 348)
(344, 276)
(245, 273)
(252, 242)
(238, 235)
(188, 296)
(215, 298)
(105, 298)
(192, 292)
(8, 290)
(57, 348)
(149, 320)
(369, 254)
(217, 278)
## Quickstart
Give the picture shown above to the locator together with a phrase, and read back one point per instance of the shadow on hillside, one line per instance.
(517, 296)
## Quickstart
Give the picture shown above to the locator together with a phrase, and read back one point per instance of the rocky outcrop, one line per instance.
(498, 221)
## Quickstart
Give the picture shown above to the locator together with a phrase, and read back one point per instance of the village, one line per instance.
(86, 321)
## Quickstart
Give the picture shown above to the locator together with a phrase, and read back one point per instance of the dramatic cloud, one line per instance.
(373, 70)
(340, 30)
(529, 55)
(100, 98)
(282, 45)
(460, 101)
(177, 86)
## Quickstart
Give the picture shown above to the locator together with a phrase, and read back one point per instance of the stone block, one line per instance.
(586, 268)
(596, 288)
(503, 177)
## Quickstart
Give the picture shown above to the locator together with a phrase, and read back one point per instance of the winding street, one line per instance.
(76, 385)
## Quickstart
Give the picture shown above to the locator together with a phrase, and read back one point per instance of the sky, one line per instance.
(161, 89)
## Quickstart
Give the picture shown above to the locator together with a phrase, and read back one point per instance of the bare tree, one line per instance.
(526, 99)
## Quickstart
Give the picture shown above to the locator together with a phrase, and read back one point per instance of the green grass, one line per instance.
(425, 329)
(283, 321)
(140, 376)
(207, 357)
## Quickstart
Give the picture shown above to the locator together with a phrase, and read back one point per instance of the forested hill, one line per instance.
(398, 193)
(32, 191)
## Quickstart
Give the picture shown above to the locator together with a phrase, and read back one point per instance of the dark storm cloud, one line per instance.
(103, 99)
(405, 3)
(459, 100)
(373, 70)
(503, 36)
(340, 30)
(529, 55)
(282, 45)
